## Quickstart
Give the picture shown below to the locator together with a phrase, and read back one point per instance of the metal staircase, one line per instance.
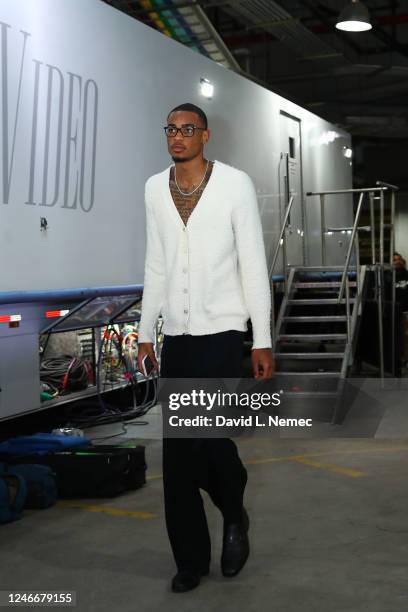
(314, 338)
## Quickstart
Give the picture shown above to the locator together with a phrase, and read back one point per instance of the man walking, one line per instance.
(206, 272)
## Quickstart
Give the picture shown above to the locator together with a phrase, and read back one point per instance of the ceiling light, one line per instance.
(354, 18)
(206, 88)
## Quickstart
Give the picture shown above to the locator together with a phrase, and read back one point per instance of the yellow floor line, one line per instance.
(329, 452)
(107, 510)
(305, 459)
(301, 458)
(274, 459)
(365, 451)
(331, 468)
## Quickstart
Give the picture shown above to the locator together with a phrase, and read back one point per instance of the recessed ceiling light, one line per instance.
(206, 88)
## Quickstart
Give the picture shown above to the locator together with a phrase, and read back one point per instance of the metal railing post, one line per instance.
(392, 239)
(392, 221)
(357, 261)
(382, 227)
(393, 324)
(372, 224)
(348, 309)
(284, 261)
(323, 228)
(348, 257)
(393, 188)
(380, 321)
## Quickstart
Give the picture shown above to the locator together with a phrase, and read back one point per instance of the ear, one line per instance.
(206, 136)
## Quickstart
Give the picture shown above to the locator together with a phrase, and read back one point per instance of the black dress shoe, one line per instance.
(235, 550)
(186, 580)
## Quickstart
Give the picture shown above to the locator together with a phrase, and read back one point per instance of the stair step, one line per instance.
(315, 319)
(308, 374)
(322, 284)
(311, 301)
(309, 355)
(313, 337)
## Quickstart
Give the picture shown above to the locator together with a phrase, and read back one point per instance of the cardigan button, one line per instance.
(185, 311)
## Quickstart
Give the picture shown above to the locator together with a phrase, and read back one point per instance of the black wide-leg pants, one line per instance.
(212, 464)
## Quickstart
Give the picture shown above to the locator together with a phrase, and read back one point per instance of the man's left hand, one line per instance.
(263, 363)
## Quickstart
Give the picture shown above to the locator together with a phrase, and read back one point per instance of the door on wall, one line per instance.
(290, 184)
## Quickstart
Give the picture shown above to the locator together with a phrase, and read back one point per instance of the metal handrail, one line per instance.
(281, 236)
(389, 186)
(381, 187)
(272, 267)
(363, 189)
(350, 249)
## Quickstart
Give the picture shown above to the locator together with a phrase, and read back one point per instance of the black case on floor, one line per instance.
(93, 470)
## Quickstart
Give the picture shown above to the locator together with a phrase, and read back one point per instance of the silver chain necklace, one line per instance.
(185, 193)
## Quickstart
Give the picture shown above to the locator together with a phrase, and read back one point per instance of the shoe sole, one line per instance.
(232, 574)
(202, 573)
(184, 590)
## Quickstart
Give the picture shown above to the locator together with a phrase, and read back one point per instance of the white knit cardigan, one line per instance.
(209, 275)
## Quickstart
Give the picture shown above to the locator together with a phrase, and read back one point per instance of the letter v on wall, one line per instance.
(7, 153)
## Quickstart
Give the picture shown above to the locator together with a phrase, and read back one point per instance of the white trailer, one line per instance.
(85, 95)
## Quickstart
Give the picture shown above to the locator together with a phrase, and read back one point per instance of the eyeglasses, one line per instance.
(185, 130)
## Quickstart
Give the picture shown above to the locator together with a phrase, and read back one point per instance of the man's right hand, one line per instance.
(146, 348)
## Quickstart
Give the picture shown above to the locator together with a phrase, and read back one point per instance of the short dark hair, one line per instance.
(191, 108)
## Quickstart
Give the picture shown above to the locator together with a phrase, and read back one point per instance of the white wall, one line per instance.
(138, 75)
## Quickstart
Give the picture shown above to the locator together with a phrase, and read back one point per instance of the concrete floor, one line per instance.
(328, 534)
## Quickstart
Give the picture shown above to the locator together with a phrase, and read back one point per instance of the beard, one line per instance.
(178, 159)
